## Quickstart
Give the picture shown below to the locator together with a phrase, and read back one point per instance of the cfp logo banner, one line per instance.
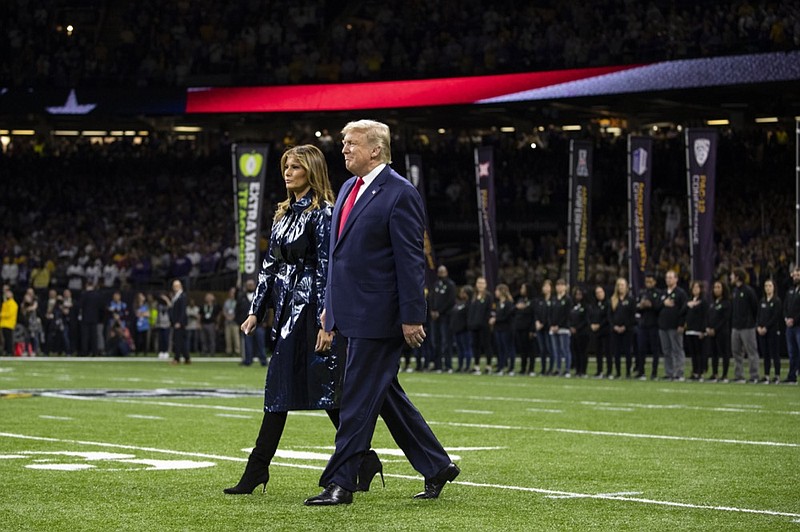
(639, 162)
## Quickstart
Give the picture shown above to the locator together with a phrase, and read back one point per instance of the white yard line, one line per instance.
(616, 434)
(457, 424)
(622, 497)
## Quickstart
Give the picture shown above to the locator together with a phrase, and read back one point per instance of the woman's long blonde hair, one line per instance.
(617, 296)
(313, 161)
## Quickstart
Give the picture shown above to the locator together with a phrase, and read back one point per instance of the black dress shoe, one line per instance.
(433, 486)
(333, 494)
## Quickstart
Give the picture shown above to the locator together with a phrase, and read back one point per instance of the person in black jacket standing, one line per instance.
(719, 330)
(599, 327)
(458, 328)
(791, 316)
(478, 314)
(622, 317)
(502, 322)
(524, 329)
(579, 328)
(671, 320)
(647, 309)
(768, 332)
(178, 320)
(561, 350)
(442, 301)
(541, 317)
(744, 307)
(696, 324)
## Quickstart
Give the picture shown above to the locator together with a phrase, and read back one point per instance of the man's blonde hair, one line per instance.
(377, 133)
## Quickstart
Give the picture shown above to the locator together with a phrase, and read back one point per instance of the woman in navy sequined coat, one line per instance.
(305, 370)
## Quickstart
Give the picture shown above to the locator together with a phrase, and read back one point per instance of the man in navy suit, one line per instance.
(375, 298)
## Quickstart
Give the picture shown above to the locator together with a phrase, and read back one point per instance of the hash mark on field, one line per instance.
(611, 497)
(140, 416)
(57, 418)
(545, 410)
(615, 408)
(236, 416)
(487, 412)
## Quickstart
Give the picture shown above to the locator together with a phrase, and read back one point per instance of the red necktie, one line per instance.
(349, 202)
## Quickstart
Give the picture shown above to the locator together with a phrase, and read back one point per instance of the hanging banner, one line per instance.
(487, 220)
(640, 165)
(249, 168)
(580, 191)
(414, 174)
(701, 169)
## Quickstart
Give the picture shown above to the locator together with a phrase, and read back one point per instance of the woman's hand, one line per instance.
(249, 325)
(324, 341)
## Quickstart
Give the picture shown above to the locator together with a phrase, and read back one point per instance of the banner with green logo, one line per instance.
(249, 165)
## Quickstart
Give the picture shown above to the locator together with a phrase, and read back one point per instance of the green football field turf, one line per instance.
(142, 445)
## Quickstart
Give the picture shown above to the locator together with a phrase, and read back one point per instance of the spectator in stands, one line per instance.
(695, 333)
(744, 308)
(768, 331)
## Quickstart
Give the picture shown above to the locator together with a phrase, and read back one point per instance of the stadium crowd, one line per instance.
(247, 42)
(129, 218)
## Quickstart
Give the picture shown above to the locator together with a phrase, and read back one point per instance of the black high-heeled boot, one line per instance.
(257, 470)
(256, 473)
(370, 466)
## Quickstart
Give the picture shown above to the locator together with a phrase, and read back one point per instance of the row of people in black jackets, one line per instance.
(561, 329)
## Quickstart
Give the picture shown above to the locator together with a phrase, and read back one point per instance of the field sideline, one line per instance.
(141, 445)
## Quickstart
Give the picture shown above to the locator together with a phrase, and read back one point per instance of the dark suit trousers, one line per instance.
(371, 388)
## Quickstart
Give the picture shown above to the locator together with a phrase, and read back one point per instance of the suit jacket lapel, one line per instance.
(367, 196)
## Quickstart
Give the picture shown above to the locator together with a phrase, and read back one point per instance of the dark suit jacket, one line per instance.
(376, 273)
(177, 312)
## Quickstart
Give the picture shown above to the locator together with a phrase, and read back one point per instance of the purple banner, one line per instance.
(701, 170)
(640, 170)
(580, 192)
(487, 221)
(415, 175)
(249, 167)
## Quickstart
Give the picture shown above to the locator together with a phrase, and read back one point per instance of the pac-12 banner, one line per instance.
(415, 175)
(487, 220)
(249, 168)
(701, 171)
(580, 193)
(640, 171)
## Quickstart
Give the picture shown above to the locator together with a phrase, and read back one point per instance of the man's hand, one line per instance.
(414, 334)
(249, 325)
